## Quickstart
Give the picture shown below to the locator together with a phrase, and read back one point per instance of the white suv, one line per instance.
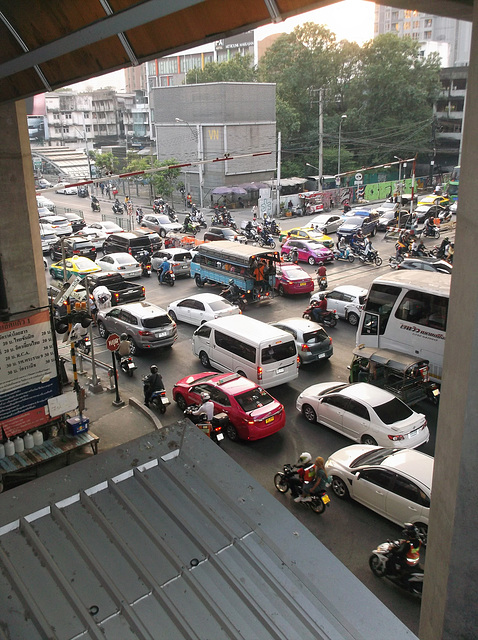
(348, 300)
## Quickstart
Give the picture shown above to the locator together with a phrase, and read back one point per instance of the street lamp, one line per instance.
(340, 133)
(197, 137)
(399, 179)
(317, 169)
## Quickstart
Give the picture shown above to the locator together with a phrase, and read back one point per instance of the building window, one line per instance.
(167, 66)
(394, 15)
(427, 35)
(408, 13)
(406, 26)
(66, 129)
(428, 23)
(416, 24)
(56, 116)
(86, 114)
(415, 36)
(88, 128)
(395, 26)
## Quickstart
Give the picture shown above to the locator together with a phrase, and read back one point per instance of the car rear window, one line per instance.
(254, 399)
(362, 299)
(181, 257)
(393, 411)
(315, 337)
(277, 352)
(144, 243)
(218, 305)
(154, 322)
(124, 259)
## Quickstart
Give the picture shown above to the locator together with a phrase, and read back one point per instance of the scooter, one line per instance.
(118, 208)
(322, 282)
(213, 428)
(169, 278)
(238, 300)
(190, 227)
(84, 345)
(127, 365)
(282, 480)
(344, 254)
(371, 257)
(268, 241)
(145, 261)
(328, 319)
(95, 205)
(431, 232)
(384, 565)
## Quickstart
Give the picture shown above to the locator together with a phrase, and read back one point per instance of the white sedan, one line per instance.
(95, 236)
(396, 483)
(364, 413)
(106, 227)
(347, 300)
(67, 191)
(122, 263)
(201, 308)
(326, 223)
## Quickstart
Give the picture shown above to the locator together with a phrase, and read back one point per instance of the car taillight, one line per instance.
(117, 295)
(396, 438)
(304, 347)
(147, 334)
(76, 251)
(259, 373)
(330, 340)
(298, 361)
(121, 268)
(129, 251)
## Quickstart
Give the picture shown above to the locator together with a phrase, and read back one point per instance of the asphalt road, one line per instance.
(347, 529)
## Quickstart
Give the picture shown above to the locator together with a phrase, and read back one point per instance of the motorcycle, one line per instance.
(267, 241)
(169, 278)
(383, 565)
(328, 319)
(214, 428)
(344, 254)
(127, 365)
(282, 479)
(238, 300)
(292, 256)
(144, 260)
(139, 214)
(118, 208)
(274, 228)
(84, 345)
(190, 227)
(251, 234)
(431, 232)
(95, 205)
(371, 257)
(394, 261)
(322, 282)
(198, 217)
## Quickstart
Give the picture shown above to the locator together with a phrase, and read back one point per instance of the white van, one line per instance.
(263, 353)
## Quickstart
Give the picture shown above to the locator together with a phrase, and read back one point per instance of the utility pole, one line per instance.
(278, 174)
(433, 143)
(320, 117)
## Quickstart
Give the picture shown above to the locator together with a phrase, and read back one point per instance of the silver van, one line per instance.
(254, 349)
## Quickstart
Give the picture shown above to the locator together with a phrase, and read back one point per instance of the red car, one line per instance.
(290, 278)
(253, 412)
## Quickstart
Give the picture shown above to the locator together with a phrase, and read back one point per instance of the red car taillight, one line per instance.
(259, 374)
(304, 347)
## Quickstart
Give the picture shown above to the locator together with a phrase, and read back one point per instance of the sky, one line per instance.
(350, 20)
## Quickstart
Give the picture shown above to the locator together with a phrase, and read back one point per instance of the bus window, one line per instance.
(424, 309)
(380, 300)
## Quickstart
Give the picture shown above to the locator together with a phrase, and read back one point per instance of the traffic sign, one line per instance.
(358, 177)
(66, 289)
(113, 342)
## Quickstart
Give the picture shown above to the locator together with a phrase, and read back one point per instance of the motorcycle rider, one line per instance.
(322, 276)
(206, 408)
(231, 292)
(318, 484)
(407, 554)
(319, 309)
(95, 205)
(430, 227)
(117, 206)
(152, 382)
(305, 471)
(124, 348)
(164, 268)
(367, 248)
(139, 214)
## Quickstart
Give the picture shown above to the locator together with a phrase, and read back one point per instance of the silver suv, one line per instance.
(146, 325)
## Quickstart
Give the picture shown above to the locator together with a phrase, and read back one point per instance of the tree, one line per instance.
(238, 69)
(105, 162)
(164, 181)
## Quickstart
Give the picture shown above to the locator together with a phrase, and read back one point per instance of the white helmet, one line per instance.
(205, 396)
(305, 458)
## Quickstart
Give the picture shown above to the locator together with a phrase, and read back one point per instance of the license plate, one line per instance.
(321, 355)
(302, 284)
(220, 436)
(184, 266)
(161, 335)
(131, 365)
(268, 420)
(436, 392)
(165, 400)
(280, 370)
(325, 499)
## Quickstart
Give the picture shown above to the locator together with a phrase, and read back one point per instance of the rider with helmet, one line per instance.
(206, 408)
(304, 465)
(124, 348)
(407, 553)
(317, 484)
(231, 292)
(152, 382)
(164, 268)
(319, 308)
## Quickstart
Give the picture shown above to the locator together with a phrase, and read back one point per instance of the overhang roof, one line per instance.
(167, 537)
(49, 44)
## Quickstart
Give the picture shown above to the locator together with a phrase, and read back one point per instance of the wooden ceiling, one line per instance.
(48, 44)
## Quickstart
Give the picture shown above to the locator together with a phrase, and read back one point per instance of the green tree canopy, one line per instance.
(237, 69)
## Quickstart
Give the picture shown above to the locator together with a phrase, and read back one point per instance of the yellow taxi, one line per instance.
(433, 198)
(75, 266)
(307, 233)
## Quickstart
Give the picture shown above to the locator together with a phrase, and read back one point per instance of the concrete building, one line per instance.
(206, 121)
(450, 111)
(431, 31)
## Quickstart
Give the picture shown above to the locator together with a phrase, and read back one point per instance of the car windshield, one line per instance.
(181, 257)
(219, 305)
(354, 220)
(377, 456)
(277, 352)
(362, 299)
(156, 321)
(393, 411)
(164, 220)
(254, 399)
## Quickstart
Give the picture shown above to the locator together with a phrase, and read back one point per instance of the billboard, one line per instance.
(28, 372)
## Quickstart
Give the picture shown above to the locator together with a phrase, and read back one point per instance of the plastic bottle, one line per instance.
(2, 450)
(37, 438)
(28, 440)
(19, 444)
(9, 448)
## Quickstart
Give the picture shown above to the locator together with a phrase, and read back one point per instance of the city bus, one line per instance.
(220, 261)
(453, 184)
(407, 311)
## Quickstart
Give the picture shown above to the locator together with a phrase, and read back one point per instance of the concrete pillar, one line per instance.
(449, 607)
(22, 275)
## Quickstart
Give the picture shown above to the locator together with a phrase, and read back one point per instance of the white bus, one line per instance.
(407, 311)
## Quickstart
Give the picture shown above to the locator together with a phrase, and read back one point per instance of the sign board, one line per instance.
(65, 292)
(358, 177)
(113, 342)
(337, 180)
(62, 404)
(265, 207)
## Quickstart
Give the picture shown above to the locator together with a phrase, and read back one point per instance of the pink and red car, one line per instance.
(308, 251)
(290, 279)
(253, 413)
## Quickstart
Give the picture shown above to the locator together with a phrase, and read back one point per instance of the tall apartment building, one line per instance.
(451, 38)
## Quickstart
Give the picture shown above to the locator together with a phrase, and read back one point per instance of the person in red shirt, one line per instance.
(322, 271)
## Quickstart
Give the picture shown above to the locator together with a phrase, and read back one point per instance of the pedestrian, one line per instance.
(102, 187)
(115, 191)
(108, 191)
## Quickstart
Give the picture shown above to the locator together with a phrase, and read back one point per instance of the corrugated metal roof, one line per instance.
(166, 537)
